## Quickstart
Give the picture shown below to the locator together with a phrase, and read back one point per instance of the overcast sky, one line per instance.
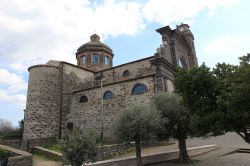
(35, 31)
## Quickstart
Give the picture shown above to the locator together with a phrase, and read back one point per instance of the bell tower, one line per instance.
(94, 55)
(188, 35)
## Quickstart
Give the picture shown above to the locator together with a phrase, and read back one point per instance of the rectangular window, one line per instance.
(95, 59)
(84, 59)
(106, 60)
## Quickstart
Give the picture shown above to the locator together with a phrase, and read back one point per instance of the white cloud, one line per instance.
(17, 100)
(225, 49)
(168, 11)
(11, 88)
(35, 31)
(14, 82)
(224, 45)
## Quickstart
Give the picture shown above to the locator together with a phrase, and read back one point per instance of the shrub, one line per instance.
(79, 147)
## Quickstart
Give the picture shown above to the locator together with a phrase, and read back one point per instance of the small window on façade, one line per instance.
(83, 99)
(108, 95)
(70, 126)
(139, 89)
(126, 73)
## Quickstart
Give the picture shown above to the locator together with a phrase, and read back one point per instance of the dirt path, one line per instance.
(41, 161)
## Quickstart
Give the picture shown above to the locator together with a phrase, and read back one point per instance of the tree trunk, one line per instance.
(183, 155)
(244, 135)
(138, 152)
(76, 163)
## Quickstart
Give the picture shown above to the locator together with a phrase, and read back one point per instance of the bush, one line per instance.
(79, 147)
(8, 131)
(4, 153)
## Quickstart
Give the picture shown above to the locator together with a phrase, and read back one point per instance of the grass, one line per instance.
(53, 147)
(38, 156)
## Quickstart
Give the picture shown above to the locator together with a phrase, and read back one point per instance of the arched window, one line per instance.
(108, 95)
(125, 73)
(95, 58)
(139, 89)
(83, 99)
(70, 126)
(106, 60)
(84, 60)
(182, 63)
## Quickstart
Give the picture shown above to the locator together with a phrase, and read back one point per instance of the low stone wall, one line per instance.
(18, 157)
(27, 145)
(15, 143)
(49, 153)
(155, 158)
(110, 151)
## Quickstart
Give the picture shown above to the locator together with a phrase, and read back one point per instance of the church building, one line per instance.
(65, 96)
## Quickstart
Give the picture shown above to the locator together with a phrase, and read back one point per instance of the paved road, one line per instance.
(228, 143)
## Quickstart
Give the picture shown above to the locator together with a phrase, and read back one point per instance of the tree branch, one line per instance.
(241, 135)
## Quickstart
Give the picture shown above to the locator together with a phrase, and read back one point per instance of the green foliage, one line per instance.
(53, 147)
(7, 131)
(138, 122)
(198, 89)
(218, 100)
(4, 153)
(80, 147)
(236, 96)
(176, 116)
(177, 119)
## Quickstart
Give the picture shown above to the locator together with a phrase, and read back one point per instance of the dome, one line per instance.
(95, 45)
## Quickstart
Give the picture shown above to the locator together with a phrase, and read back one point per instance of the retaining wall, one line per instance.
(155, 158)
(18, 157)
(15, 143)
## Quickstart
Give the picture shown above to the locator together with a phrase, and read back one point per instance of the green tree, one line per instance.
(198, 89)
(218, 100)
(79, 147)
(177, 120)
(235, 97)
(6, 127)
(138, 123)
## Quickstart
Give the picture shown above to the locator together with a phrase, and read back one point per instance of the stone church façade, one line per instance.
(62, 95)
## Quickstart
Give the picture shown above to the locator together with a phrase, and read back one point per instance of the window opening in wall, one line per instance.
(95, 59)
(108, 95)
(70, 126)
(83, 99)
(84, 60)
(126, 73)
(106, 60)
(182, 63)
(139, 89)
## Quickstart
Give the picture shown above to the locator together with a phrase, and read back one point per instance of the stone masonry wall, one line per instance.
(88, 115)
(43, 103)
(18, 157)
(181, 50)
(136, 69)
(14, 143)
(73, 78)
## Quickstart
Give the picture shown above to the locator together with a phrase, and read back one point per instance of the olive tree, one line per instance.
(138, 123)
(177, 120)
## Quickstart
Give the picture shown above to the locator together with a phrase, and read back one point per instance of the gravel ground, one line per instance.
(41, 161)
(220, 157)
